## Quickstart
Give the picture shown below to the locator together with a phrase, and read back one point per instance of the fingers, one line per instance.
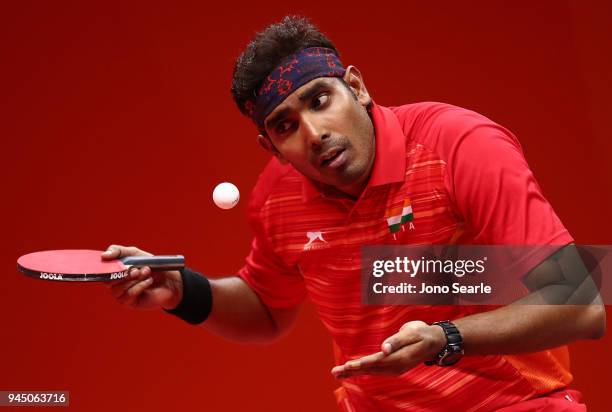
(118, 251)
(399, 352)
(355, 364)
(134, 273)
(127, 290)
(399, 340)
(396, 363)
(366, 361)
(112, 252)
(133, 292)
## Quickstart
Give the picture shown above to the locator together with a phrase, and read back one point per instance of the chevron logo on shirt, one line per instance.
(315, 241)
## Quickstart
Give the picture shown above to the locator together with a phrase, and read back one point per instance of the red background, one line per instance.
(117, 123)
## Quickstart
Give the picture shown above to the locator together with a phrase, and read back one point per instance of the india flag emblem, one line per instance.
(398, 215)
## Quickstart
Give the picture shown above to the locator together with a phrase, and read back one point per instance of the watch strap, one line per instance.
(454, 345)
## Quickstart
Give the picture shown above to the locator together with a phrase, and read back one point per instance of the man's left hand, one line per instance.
(415, 343)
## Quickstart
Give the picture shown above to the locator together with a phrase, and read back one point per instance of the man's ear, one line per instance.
(267, 145)
(352, 77)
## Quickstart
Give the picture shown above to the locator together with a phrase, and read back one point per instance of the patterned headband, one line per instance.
(295, 71)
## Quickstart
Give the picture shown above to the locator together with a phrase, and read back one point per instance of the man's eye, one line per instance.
(320, 100)
(283, 127)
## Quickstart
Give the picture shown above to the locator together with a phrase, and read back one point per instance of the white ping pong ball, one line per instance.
(226, 195)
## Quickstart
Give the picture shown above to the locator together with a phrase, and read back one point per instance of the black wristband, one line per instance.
(196, 304)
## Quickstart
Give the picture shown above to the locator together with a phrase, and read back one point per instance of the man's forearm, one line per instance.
(529, 328)
(530, 324)
(238, 314)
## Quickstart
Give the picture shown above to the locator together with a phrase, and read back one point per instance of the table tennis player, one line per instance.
(340, 164)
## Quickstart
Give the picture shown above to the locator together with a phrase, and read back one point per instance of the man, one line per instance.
(341, 164)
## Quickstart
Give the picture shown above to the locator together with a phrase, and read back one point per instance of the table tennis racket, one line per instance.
(74, 265)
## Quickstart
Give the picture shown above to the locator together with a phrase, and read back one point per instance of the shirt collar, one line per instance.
(389, 159)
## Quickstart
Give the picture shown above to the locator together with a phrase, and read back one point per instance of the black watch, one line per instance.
(452, 352)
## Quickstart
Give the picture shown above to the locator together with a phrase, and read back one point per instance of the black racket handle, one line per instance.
(162, 262)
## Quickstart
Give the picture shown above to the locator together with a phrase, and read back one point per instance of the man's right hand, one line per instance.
(143, 288)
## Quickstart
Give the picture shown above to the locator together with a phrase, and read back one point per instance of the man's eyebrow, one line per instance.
(306, 95)
(276, 118)
(313, 90)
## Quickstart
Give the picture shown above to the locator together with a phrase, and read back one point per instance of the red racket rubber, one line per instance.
(75, 265)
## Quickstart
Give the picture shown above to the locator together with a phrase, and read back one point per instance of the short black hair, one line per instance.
(267, 49)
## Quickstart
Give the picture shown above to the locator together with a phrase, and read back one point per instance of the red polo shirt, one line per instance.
(467, 182)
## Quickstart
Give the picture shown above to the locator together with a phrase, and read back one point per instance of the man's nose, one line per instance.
(314, 131)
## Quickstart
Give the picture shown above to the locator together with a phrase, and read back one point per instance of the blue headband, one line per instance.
(294, 71)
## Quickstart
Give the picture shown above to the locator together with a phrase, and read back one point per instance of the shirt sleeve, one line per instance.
(277, 284)
(495, 192)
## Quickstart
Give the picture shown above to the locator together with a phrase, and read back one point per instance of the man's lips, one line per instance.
(327, 157)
